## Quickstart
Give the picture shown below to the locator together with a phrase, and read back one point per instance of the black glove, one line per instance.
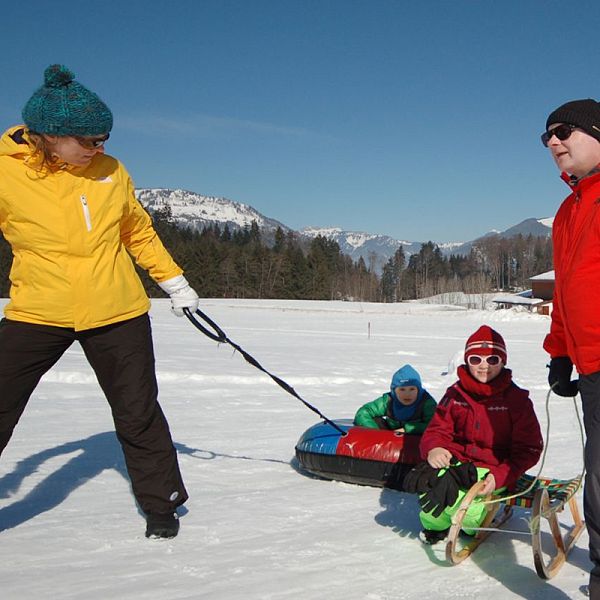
(444, 491)
(560, 374)
(420, 479)
(464, 474)
(443, 494)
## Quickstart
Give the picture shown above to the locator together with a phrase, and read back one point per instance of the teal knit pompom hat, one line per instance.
(64, 107)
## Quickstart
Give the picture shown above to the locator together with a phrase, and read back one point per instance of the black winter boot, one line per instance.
(162, 526)
(431, 536)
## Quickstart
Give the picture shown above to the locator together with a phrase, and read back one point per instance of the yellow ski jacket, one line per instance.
(70, 231)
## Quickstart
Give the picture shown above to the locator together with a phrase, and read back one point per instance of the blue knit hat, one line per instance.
(406, 376)
(64, 107)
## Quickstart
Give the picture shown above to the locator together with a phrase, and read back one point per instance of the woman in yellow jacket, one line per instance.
(70, 215)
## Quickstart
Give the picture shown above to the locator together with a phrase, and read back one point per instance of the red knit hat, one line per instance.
(484, 342)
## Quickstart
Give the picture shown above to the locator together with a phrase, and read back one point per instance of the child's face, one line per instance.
(406, 395)
(484, 372)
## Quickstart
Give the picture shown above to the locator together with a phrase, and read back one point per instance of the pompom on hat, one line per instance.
(485, 342)
(584, 114)
(62, 106)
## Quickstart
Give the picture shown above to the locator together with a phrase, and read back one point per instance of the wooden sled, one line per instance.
(498, 513)
(546, 499)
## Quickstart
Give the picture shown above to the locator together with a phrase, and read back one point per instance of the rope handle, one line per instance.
(221, 337)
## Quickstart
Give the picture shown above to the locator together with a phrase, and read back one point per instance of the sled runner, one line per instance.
(496, 516)
(547, 498)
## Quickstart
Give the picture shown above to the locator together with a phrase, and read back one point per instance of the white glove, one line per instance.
(182, 295)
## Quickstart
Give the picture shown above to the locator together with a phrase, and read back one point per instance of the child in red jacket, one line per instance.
(484, 419)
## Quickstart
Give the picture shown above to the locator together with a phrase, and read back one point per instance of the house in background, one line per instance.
(524, 298)
(542, 286)
(538, 298)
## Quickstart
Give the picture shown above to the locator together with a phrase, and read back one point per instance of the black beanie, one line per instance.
(584, 114)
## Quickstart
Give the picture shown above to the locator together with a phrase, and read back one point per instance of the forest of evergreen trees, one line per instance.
(220, 263)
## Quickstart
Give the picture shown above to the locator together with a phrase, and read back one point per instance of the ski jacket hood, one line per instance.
(15, 142)
(72, 231)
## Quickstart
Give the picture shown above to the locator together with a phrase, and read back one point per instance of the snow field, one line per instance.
(254, 527)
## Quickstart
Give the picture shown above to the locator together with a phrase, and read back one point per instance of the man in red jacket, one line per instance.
(573, 137)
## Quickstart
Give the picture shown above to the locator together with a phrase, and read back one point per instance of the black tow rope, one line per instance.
(220, 337)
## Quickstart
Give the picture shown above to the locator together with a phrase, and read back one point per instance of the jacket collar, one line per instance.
(15, 142)
(573, 182)
(481, 391)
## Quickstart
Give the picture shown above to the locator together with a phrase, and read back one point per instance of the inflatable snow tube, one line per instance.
(377, 457)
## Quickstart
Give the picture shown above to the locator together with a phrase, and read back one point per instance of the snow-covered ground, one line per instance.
(254, 527)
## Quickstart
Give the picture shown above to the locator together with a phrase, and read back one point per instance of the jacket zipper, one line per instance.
(86, 213)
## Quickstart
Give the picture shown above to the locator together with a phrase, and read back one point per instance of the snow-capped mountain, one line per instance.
(196, 211)
(375, 249)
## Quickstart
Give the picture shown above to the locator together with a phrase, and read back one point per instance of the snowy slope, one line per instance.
(255, 528)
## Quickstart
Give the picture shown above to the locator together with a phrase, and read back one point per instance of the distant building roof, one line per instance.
(547, 276)
(517, 299)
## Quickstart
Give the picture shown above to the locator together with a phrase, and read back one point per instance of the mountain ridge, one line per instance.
(196, 211)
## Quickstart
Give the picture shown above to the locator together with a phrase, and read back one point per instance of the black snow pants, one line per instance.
(122, 357)
(589, 388)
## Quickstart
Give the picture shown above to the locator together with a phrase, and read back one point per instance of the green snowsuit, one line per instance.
(378, 414)
(474, 516)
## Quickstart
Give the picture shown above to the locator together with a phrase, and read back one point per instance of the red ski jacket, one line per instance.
(499, 432)
(575, 329)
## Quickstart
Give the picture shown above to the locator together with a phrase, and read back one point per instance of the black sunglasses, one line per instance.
(92, 143)
(562, 132)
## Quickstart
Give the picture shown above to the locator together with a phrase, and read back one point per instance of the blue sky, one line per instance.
(415, 119)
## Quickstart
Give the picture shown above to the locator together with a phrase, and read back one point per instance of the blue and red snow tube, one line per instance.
(377, 457)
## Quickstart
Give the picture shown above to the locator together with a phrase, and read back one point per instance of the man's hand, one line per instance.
(559, 377)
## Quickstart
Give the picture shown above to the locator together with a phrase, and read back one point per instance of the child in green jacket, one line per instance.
(406, 408)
